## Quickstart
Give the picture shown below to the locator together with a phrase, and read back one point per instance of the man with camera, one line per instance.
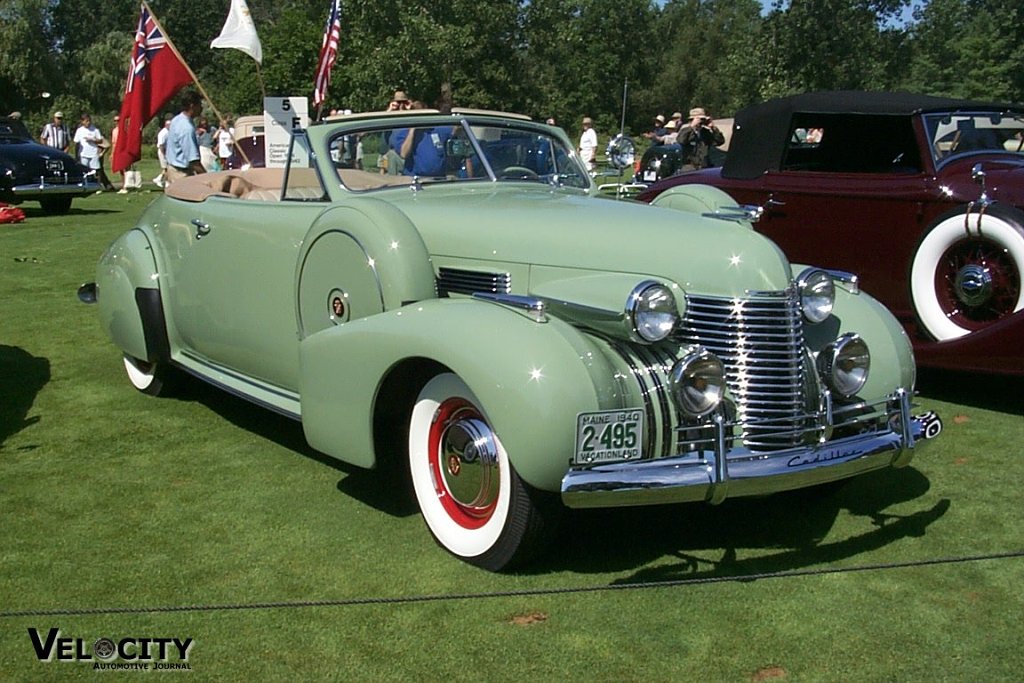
(697, 138)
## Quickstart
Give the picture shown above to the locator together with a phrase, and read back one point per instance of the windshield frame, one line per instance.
(940, 125)
(562, 159)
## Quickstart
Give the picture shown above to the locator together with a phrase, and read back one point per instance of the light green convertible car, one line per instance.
(444, 297)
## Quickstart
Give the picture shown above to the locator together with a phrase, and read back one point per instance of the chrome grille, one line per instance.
(457, 281)
(760, 340)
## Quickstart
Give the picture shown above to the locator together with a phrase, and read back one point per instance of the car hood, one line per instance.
(540, 227)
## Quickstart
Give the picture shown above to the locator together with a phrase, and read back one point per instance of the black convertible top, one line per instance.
(762, 131)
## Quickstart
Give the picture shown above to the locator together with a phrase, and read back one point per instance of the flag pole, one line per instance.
(195, 79)
(263, 86)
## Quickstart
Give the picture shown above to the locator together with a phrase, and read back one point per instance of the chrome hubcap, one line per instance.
(973, 285)
(469, 462)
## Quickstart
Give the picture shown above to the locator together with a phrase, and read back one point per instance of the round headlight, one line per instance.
(817, 294)
(651, 311)
(698, 382)
(844, 364)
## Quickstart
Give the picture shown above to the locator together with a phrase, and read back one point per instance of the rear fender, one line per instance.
(129, 298)
(532, 379)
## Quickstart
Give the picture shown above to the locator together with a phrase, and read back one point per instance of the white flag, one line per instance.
(239, 32)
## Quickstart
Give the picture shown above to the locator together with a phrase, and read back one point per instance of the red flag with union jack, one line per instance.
(328, 53)
(155, 75)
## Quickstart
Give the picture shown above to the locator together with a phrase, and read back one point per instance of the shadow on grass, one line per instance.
(35, 211)
(989, 392)
(376, 489)
(24, 375)
(705, 539)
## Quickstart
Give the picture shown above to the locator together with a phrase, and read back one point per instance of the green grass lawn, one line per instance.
(111, 500)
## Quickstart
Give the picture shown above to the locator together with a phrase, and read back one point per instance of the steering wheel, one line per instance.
(518, 173)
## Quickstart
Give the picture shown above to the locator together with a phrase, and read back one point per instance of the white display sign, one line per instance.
(282, 115)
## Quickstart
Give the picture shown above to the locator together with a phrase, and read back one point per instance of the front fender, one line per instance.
(892, 358)
(699, 199)
(532, 379)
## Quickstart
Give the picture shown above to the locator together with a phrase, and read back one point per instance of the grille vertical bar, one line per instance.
(760, 340)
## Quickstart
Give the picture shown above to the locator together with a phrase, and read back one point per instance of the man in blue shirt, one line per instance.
(183, 157)
(423, 150)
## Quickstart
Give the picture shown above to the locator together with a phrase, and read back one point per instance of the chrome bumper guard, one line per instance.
(721, 473)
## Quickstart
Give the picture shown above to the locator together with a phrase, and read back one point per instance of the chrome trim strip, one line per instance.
(457, 281)
(266, 388)
(535, 307)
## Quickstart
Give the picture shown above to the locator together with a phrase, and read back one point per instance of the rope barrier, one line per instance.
(400, 600)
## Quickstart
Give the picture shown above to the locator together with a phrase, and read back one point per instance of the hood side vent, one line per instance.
(457, 281)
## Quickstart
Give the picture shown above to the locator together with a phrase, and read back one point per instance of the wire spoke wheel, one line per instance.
(977, 283)
(966, 273)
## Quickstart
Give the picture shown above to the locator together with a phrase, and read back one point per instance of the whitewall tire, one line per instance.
(470, 496)
(154, 379)
(966, 275)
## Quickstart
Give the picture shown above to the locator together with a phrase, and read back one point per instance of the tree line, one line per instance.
(545, 58)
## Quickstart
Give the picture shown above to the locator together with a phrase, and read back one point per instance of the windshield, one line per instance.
(952, 135)
(461, 152)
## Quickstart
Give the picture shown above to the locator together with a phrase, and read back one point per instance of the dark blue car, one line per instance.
(35, 172)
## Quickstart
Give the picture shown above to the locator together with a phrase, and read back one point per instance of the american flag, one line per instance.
(148, 41)
(328, 53)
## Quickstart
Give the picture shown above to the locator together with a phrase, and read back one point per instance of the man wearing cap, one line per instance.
(657, 132)
(588, 143)
(393, 164)
(697, 138)
(55, 133)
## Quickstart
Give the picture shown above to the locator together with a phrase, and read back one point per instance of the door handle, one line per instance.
(202, 229)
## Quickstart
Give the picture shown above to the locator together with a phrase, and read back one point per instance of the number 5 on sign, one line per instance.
(282, 116)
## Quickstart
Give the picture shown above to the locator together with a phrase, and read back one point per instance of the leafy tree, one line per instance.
(827, 45)
(968, 48)
(706, 58)
(27, 64)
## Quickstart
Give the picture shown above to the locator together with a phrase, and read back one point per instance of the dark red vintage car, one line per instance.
(921, 197)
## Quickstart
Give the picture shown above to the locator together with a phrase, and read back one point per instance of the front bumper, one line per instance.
(713, 477)
(50, 188)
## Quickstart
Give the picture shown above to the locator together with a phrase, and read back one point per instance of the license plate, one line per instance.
(54, 165)
(609, 435)
(650, 176)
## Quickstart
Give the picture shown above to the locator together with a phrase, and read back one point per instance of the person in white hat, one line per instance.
(55, 134)
(697, 138)
(657, 133)
(588, 143)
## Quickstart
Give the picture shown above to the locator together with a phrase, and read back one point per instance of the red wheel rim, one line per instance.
(474, 504)
(977, 283)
